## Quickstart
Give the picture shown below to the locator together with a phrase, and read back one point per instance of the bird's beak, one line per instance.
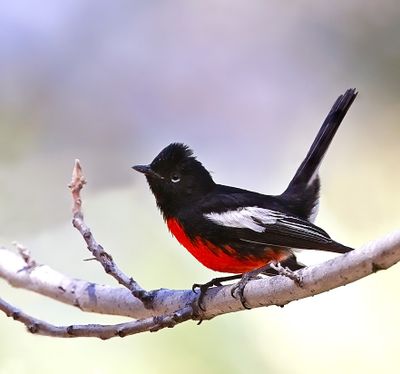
(146, 170)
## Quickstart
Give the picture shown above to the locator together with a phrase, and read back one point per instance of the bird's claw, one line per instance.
(203, 288)
(237, 290)
(195, 286)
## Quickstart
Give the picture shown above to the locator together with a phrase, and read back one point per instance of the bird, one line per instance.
(237, 231)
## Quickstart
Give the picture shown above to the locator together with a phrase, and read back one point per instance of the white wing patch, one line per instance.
(246, 218)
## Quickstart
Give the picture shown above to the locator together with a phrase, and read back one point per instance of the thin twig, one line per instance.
(105, 259)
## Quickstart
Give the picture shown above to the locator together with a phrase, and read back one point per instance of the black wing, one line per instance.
(268, 227)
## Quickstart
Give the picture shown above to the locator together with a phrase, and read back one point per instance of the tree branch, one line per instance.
(36, 326)
(279, 290)
(166, 308)
(85, 295)
(105, 259)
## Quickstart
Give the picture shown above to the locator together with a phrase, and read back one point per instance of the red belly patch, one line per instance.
(225, 259)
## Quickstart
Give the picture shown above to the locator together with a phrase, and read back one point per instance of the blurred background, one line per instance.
(247, 85)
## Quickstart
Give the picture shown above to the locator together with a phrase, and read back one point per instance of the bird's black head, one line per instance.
(176, 178)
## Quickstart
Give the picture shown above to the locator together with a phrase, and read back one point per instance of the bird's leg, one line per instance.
(213, 282)
(270, 269)
(237, 289)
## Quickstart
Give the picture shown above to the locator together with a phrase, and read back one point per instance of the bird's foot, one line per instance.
(271, 269)
(215, 282)
(286, 272)
(237, 290)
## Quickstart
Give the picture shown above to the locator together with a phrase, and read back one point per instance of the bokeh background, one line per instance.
(247, 85)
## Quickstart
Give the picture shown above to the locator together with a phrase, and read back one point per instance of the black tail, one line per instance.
(309, 167)
(305, 183)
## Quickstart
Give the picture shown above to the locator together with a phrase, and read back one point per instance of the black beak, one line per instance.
(146, 170)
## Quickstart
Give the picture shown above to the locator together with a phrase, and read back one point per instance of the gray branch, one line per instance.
(158, 309)
(171, 307)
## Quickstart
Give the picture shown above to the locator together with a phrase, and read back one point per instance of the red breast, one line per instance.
(225, 259)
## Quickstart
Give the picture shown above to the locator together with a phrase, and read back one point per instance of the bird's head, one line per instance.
(176, 178)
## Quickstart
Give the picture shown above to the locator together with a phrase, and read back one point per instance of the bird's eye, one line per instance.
(175, 178)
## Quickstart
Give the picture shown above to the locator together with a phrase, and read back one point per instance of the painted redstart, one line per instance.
(232, 230)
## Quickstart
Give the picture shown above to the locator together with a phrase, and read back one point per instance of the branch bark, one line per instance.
(166, 308)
